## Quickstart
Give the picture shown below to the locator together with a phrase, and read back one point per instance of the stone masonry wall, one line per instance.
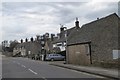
(104, 39)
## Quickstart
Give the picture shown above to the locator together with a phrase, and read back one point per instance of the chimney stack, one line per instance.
(26, 40)
(77, 23)
(98, 18)
(61, 28)
(31, 39)
(21, 40)
(52, 37)
(37, 37)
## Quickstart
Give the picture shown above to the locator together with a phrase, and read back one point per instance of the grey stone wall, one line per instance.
(104, 38)
(34, 47)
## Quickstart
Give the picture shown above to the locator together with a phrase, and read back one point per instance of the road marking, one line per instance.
(44, 78)
(32, 71)
(18, 63)
(14, 62)
(36, 73)
(23, 66)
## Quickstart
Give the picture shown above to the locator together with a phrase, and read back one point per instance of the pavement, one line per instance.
(109, 73)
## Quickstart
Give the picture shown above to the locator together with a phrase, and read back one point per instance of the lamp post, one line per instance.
(67, 56)
(42, 44)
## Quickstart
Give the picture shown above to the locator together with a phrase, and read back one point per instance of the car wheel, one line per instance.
(52, 59)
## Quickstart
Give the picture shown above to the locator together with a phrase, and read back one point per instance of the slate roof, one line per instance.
(62, 34)
(89, 31)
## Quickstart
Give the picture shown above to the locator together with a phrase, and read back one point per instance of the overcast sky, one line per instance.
(22, 20)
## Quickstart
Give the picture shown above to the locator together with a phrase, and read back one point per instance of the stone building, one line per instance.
(34, 48)
(28, 48)
(48, 45)
(60, 41)
(95, 41)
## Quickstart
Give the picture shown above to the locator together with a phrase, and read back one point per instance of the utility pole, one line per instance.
(67, 55)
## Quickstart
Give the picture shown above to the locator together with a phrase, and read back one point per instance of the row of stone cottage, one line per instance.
(94, 41)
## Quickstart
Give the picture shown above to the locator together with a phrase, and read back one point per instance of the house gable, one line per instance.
(103, 35)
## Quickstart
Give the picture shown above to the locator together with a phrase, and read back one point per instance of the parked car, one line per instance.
(53, 57)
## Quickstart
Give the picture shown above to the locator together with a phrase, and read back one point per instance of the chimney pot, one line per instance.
(61, 28)
(31, 39)
(77, 23)
(21, 40)
(26, 40)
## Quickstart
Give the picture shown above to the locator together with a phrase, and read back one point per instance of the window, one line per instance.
(59, 44)
(116, 54)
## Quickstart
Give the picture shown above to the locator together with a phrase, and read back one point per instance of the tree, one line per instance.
(12, 45)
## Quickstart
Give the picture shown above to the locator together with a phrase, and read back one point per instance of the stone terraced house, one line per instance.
(27, 48)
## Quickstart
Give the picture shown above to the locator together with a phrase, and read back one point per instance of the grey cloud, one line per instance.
(63, 13)
(111, 8)
(12, 36)
(119, 8)
(14, 30)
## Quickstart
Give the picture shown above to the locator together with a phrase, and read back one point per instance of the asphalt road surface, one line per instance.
(27, 68)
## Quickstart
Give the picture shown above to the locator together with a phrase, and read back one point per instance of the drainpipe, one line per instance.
(90, 53)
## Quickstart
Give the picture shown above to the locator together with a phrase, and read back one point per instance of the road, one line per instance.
(27, 68)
